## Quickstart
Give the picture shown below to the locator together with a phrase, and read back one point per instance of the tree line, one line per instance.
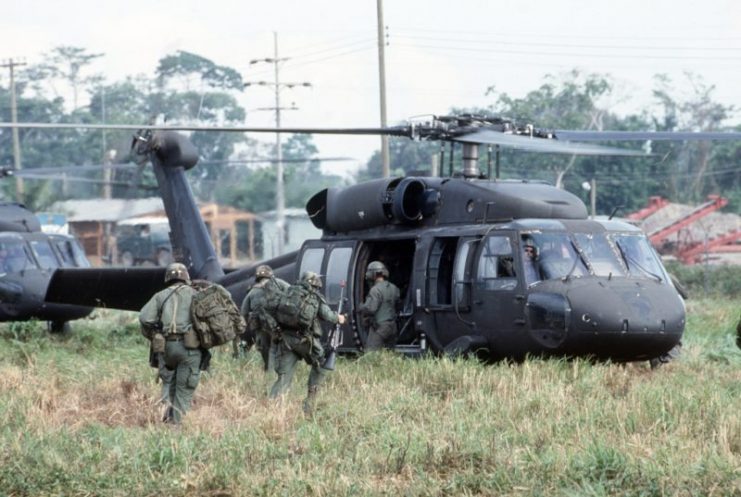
(187, 88)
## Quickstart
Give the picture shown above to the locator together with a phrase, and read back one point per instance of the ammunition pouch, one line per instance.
(158, 343)
(149, 330)
(190, 339)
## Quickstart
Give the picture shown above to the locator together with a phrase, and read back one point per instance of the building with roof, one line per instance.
(93, 221)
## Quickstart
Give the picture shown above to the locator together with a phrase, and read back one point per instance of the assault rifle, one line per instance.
(334, 339)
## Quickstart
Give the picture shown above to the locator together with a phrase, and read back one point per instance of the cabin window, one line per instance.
(496, 269)
(462, 283)
(600, 254)
(311, 261)
(440, 271)
(337, 266)
(44, 254)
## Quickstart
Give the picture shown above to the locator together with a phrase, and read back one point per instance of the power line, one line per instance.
(526, 35)
(510, 42)
(564, 54)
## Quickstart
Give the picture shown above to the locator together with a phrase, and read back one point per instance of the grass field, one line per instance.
(79, 418)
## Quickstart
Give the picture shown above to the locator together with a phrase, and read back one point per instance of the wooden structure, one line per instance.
(236, 235)
(93, 221)
(230, 242)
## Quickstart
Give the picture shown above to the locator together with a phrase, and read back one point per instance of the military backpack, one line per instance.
(297, 308)
(215, 317)
(263, 316)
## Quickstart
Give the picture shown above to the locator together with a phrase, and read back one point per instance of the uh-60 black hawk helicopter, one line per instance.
(28, 257)
(503, 268)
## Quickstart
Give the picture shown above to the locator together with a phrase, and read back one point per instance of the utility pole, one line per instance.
(385, 158)
(11, 64)
(277, 85)
(593, 197)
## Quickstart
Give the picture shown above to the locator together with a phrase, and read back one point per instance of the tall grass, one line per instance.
(79, 418)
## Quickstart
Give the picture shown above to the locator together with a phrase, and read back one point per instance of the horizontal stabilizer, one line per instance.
(127, 289)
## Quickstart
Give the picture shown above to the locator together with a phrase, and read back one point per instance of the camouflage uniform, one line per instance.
(172, 305)
(381, 303)
(256, 298)
(303, 344)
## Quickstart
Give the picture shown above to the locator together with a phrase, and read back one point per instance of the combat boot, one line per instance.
(310, 401)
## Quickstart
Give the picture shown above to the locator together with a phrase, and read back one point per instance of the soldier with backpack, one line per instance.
(298, 314)
(259, 307)
(166, 321)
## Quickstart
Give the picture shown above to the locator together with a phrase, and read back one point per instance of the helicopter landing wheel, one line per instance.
(59, 327)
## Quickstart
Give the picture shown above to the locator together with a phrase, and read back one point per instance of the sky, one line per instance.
(439, 54)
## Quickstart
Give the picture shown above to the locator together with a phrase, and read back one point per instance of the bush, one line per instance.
(723, 280)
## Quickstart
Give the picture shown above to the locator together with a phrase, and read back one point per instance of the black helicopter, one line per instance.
(28, 257)
(503, 268)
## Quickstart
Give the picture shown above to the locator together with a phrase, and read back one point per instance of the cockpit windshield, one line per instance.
(14, 256)
(601, 254)
(639, 257)
(553, 255)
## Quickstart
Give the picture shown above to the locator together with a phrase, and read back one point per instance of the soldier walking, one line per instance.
(380, 305)
(301, 341)
(167, 314)
(258, 308)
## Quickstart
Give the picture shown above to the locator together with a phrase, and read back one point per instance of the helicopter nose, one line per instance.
(625, 319)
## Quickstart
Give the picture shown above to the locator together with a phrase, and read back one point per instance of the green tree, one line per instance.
(406, 157)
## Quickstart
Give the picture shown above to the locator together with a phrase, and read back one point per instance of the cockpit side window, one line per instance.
(64, 249)
(496, 268)
(549, 255)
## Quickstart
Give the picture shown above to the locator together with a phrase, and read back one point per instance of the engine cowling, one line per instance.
(370, 204)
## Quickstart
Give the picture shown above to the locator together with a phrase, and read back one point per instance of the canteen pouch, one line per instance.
(190, 339)
(158, 343)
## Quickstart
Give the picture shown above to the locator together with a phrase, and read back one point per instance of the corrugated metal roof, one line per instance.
(108, 210)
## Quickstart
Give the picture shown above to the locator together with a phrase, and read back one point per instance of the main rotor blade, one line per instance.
(77, 179)
(66, 169)
(266, 160)
(391, 131)
(563, 134)
(542, 144)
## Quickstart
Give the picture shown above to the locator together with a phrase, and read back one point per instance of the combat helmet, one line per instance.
(312, 279)
(263, 271)
(177, 271)
(374, 268)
